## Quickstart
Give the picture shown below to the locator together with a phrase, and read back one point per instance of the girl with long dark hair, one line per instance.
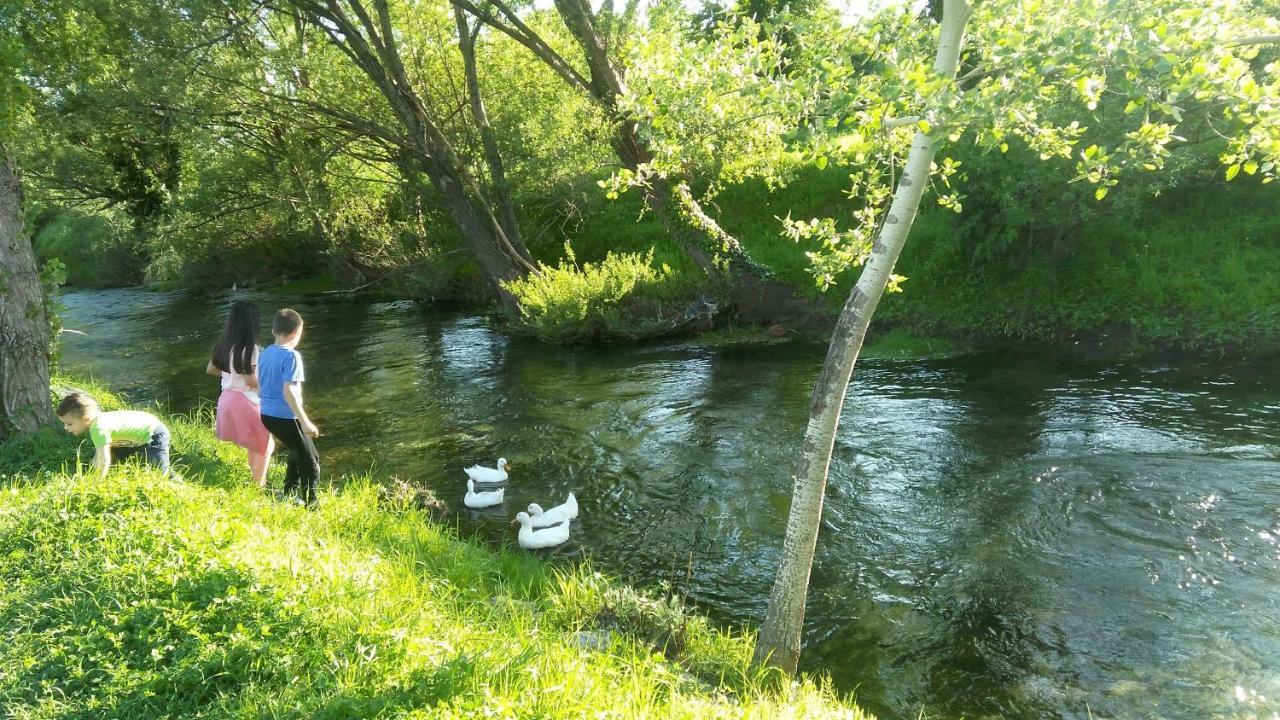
(235, 360)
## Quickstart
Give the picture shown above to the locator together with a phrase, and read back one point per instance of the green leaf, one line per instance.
(1251, 167)
(1100, 193)
(1233, 171)
(821, 162)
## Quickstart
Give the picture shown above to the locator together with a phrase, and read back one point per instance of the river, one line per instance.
(1006, 534)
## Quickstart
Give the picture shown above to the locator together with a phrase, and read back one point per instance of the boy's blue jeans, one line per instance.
(154, 453)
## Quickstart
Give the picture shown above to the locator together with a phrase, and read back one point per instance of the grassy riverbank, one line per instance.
(143, 597)
(1193, 271)
(1196, 269)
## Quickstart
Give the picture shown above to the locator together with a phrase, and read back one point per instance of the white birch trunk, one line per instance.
(24, 330)
(781, 634)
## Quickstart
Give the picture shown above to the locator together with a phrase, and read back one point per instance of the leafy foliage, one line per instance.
(1113, 89)
(190, 142)
(569, 300)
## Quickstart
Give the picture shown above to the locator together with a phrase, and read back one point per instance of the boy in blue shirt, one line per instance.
(280, 377)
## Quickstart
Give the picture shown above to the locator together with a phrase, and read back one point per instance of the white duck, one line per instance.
(483, 475)
(556, 515)
(483, 499)
(531, 539)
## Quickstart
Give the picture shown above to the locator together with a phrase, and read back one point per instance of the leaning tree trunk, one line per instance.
(369, 40)
(499, 260)
(780, 635)
(752, 288)
(24, 329)
(488, 138)
(498, 266)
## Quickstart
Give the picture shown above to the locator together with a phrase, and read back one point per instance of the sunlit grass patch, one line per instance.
(143, 597)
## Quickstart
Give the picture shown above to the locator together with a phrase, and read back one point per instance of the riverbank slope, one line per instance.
(146, 597)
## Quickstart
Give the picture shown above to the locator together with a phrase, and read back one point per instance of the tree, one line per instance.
(601, 37)
(275, 187)
(24, 329)
(1174, 64)
(499, 187)
(780, 634)
(109, 104)
(370, 41)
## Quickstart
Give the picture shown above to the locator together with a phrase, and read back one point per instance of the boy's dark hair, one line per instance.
(286, 322)
(77, 403)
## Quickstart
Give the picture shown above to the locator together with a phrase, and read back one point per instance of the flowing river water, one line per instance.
(1018, 535)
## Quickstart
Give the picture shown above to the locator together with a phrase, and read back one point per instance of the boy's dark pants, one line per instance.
(303, 469)
(155, 452)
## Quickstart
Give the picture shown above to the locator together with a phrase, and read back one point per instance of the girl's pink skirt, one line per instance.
(239, 422)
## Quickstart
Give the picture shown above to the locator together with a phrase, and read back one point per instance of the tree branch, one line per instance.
(1255, 40)
(524, 35)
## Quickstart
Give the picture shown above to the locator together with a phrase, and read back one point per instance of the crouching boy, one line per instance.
(118, 434)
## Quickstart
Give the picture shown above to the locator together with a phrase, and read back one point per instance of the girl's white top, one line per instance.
(236, 381)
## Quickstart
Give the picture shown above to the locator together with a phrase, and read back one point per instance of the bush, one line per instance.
(98, 250)
(572, 301)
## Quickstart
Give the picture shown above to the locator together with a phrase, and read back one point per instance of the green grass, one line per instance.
(601, 226)
(1197, 270)
(748, 211)
(143, 597)
(902, 344)
(572, 301)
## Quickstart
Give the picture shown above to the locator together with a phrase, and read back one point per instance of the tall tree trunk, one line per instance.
(24, 329)
(781, 634)
(493, 158)
(497, 265)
